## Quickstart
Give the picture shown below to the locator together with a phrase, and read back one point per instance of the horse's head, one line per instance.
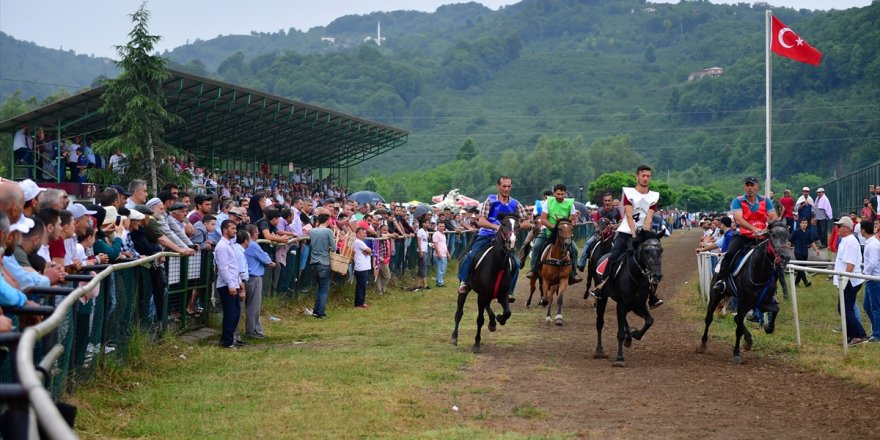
(564, 233)
(506, 234)
(605, 228)
(649, 256)
(777, 244)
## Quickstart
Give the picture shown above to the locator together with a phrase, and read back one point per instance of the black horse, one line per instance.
(491, 279)
(629, 284)
(754, 285)
(598, 248)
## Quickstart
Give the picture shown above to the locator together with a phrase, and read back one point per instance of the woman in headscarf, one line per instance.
(255, 207)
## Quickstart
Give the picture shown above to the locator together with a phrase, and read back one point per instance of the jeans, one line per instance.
(872, 306)
(362, 277)
(538, 249)
(231, 315)
(322, 274)
(440, 264)
(582, 261)
(253, 302)
(822, 226)
(800, 275)
(464, 269)
(854, 327)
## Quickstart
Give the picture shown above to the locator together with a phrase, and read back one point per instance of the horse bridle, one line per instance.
(505, 234)
(645, 271)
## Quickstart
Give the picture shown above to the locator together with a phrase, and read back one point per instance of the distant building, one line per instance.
(331, 40)
(379, 38)
(649, 10)
(712, 72)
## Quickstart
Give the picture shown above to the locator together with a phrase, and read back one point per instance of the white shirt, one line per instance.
(361, 260)
(849, 252)
(857, 231)
(872, 257)
(114, 164)
(20, 140)
(44, 252)
(422, 234)
(641, 203)
(72, 155)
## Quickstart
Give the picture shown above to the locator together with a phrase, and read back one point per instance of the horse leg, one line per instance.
(505, 306)
(589, 280)
(621, 334)
(545, 290)
(546, 299)
(714, 300)
(563, 284)
(643, 312)
(531, 292)
(458, 314)
(740, 330)
(481, 305)
(492, 325)
(600, 322)
(771, 323)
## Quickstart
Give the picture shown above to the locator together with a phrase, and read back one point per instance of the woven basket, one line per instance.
(339, 263)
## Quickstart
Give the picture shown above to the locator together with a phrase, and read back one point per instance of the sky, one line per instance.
(95, 26)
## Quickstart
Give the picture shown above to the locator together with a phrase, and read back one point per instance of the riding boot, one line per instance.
(654, 301)
(574, 278)
(597, 290)
(719, 287)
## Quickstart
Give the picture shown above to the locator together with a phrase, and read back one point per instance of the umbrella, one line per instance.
(363, 197)
(583, 209)
(421, 209)
(463, 201)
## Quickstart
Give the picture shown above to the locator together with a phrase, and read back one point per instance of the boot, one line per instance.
(463, 288)
(574, 278)
(597, 290)
(654, 301)
(719, 287)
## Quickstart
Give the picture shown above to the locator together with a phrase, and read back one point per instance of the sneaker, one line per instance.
(511, 299)
(255, 335)
(857, 341)
(319, 316)
(582, 268)
(363, 306)
(836, 329)
(240, 342)
(808, 284)
(656, 304)
(874, 340)
(574, 278)
(228, 346)
(463, 288)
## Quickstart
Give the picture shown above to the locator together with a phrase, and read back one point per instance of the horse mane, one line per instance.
(555, 232)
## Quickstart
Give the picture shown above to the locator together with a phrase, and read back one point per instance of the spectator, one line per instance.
(849, 259)
(823, 212)
(111, 244)
(10, 295)
(138, 190)
(362, 268)
(801, 239)
(383, 251)
(868, 211)
(118, 162)
(23, 149)
(31, 196)
(872, 267)
(441, 252)
(422, 246)
(804, 207)
(257, 261)
(322, 244)
(204, 206)
(230, 288)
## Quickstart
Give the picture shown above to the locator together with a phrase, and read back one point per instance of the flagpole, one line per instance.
(768, 97)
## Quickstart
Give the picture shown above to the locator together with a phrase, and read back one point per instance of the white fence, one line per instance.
(706, 264)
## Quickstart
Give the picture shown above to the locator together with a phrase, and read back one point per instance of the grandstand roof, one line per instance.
(228, 121)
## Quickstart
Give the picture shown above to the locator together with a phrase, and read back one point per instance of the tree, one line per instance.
(650, 56)
(467, 151)
(133, 102)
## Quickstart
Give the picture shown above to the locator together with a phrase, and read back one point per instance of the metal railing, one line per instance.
(846, 192)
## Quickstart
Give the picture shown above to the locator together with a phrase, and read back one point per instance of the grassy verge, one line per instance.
(379, 372)
(820, 349)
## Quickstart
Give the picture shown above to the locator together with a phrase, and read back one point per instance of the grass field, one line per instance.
(821, 349)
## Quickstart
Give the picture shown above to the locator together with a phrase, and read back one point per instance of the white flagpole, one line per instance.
(769, 96)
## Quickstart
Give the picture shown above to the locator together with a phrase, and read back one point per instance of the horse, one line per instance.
(556, 266)
(597, 249)
(629, 283)
(450, 202)
(753, 284)
(491, 279)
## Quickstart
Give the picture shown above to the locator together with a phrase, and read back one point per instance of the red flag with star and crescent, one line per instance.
(788, 44)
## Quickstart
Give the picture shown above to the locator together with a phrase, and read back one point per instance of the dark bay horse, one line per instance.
(638, 275)
(598, 248)
(491, 279)
(753, 285)
(556, 266)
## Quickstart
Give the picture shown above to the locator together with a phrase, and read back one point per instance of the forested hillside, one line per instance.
(565, 90)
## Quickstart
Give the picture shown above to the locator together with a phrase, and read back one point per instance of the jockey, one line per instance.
(558, 208)
(607, 211)
(639, 205)
(489, 220)
(752, 212)
(540, 207)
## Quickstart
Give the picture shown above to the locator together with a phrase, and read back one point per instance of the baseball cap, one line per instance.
(136, 213)
(238, 212)
(110, 214)
(78, 210)
(845, 221)
(23, 225)
(153, 202)
(820, 190)
(121, 190)
(806, 188)
(176, 206)
(30, 189)
(750, 179)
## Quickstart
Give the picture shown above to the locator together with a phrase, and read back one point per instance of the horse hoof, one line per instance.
(599, 354)
(627, 342)
(543, 302)
(548, 320)
(559, 320)
(454, 341)
(637, 335)
(737, 360)
(619, 363)
(477, 349)
(702, 349)
(500, 318)
(492, 326)
(747, 346)
(769, 328)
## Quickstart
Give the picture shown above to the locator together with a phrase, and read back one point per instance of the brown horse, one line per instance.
(556, 266)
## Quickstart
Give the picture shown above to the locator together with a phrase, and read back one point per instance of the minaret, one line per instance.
(378, 33)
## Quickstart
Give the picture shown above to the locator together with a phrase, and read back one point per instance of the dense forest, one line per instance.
(566, 90)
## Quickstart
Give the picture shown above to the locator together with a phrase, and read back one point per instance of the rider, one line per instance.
(540, 207)
(489, 220)
(558, 208)
(639, 206)
(752, 212)
(607, 211)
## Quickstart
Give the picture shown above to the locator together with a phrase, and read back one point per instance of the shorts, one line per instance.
(423, 267)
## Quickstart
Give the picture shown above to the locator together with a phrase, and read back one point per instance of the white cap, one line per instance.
(153, 202)
(78, 210)
(30, 189)
(845, 221)
(820, 190)
(23, 225)
(806, 188)
(134, 214)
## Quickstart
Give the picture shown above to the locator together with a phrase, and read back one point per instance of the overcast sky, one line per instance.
(95, 26)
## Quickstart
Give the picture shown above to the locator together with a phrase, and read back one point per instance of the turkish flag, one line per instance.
(788, 44)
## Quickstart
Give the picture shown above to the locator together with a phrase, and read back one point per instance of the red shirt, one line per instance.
(787, 203)
(56, 248)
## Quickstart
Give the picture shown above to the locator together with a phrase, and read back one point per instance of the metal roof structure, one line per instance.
(231, 122)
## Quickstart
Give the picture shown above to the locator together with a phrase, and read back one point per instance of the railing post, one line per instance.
(797, 323)
(841, 286)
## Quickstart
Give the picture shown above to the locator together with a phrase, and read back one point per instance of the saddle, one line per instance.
(480, 256)
(739, 260)
(605, 262)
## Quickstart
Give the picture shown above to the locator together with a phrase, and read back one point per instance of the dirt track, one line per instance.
(666, 389)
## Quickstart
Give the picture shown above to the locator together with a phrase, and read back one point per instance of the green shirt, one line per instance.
(557, 211)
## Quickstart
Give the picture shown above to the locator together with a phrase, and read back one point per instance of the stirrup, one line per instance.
(719, 287)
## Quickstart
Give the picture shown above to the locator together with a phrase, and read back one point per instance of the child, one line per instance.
(441, 252)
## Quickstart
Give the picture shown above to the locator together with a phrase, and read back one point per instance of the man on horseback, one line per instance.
(752, 212)
(540, 207)
(607, 211)
(639, 206)
(492, 210)
(558, 208)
